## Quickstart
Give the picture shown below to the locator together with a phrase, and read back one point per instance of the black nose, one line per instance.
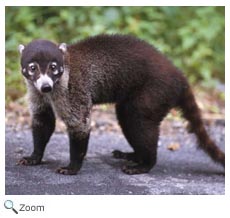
(46, 88)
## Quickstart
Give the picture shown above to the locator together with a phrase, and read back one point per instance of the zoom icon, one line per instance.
(8, 204)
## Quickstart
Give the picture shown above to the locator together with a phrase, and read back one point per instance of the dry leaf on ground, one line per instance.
(173, 146)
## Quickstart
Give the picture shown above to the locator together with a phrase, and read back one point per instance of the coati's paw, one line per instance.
(29, 161)
(124, 155)
(135, 169)
(67, 171)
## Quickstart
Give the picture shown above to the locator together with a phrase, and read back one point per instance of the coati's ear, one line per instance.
(63, 47)
(21, 48)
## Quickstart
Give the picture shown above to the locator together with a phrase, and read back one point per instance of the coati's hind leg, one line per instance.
(142, 134)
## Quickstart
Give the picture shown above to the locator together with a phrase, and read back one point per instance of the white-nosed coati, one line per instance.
(120, 69)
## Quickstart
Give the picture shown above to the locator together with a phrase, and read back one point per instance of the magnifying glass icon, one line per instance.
(8, 204)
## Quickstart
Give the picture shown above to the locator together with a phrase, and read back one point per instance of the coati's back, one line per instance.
(118, 66)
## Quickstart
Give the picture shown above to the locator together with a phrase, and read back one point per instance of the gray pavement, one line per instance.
(184, 171)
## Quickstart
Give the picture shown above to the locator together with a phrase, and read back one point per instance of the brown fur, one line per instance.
(192, 113)
(143, 84)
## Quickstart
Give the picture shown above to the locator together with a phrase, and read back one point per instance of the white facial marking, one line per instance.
(43, 79)
(64, 80)
(55, 72)
(63, 47)
(21, 48)
(24, 70)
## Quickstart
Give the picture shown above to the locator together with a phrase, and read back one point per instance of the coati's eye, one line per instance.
(53, 66)
(32, 68)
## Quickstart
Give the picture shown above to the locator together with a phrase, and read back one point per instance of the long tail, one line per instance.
(192, 113)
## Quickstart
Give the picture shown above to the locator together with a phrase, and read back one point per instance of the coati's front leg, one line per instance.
(78, 126)
(78, 149)
(43, 125)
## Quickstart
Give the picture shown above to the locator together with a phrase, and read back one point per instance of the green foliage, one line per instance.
(193, 37)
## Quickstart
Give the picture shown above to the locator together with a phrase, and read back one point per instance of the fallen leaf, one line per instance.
(173, 146)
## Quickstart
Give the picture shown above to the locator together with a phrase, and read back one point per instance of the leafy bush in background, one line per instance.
(192, 37)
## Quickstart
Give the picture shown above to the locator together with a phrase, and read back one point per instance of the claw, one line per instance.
(28, 161)
(66, 171)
